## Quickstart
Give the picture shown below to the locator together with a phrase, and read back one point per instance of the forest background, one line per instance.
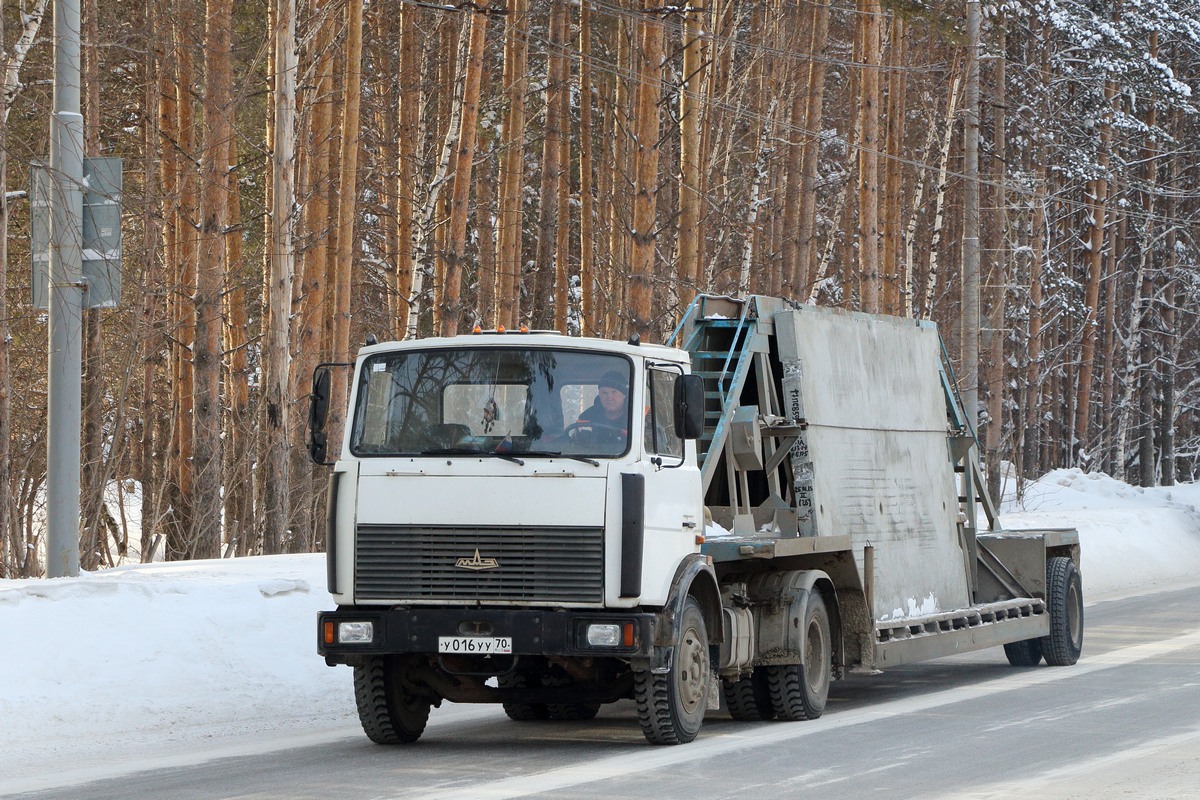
(300, 174)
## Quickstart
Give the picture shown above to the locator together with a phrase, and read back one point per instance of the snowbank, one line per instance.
(1133, 540)
(150, 657)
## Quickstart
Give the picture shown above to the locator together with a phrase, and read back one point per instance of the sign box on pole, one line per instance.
(101, 232)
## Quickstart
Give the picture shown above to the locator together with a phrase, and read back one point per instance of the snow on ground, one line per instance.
(1133, 540)
(147, 663)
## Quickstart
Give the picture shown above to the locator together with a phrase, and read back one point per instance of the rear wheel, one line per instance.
(568, 712)
(671, 706)
(390, 711)
(800, 691)
(1024, 654)
(521, 712)
(1064, 596)
(749, 699)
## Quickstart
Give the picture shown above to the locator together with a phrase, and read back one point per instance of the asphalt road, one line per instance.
(1122, 723)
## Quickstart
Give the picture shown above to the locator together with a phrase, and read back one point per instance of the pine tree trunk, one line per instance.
(409, 114)
(806, 256)
(895, 289)
(993, 334)
(92, 550)
(1108, 382)
(868, 154)
(276, 476)
(512, 165)
(239, 432)
(622, 181)
(180, 543)
(1172, 335)
(646, 126)
(210, 280)
(347, 208)
(464, 158)
(690, 189)
(548, 217)
(587, 222)
(1097, 203)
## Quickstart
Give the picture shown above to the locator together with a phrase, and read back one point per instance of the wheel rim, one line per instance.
(814, 656)
(693, 671)
(1074, 618)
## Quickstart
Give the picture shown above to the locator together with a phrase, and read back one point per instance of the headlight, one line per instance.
(603, 635)
(356, 632)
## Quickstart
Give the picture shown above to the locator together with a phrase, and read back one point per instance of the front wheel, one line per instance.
(671, 706)
(1064, 596)
(390, 712)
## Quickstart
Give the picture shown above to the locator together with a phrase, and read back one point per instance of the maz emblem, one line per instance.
(476, 563)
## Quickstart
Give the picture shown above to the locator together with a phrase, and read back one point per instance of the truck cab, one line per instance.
(488, 521)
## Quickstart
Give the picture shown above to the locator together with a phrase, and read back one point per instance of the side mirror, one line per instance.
(318, 411)
(689, 406)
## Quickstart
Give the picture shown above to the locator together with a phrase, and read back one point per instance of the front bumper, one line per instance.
(533, 631)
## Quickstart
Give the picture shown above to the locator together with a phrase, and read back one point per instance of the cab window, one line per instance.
(660, 438)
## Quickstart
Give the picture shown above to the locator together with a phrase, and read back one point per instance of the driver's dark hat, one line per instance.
(615, 380)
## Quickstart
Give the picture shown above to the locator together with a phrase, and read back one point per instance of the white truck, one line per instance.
(790, 494)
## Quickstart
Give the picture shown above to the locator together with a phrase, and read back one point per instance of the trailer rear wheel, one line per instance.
(1024, 654)
(800, 691)
(1064, 596)
(749, 699)
(671, 706)
(389, 712)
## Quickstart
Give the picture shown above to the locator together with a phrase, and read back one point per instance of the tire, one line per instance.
(521, 712)
(389, 714)
(800, 691)
(749, 699)
(568, 712)
(671, 706)
(1024, 654)
(573, 712)
(1064, 596)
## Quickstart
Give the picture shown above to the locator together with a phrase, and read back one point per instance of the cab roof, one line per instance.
(530, 340)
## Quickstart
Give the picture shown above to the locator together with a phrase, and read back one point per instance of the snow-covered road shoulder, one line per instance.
(162, 657)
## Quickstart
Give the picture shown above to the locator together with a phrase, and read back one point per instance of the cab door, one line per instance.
(674, 509)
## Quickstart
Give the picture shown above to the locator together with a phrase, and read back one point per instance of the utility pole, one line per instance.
(66, 288)
(971, 224)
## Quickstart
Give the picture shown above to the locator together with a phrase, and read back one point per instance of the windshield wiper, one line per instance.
(559, 454)
(470, 451)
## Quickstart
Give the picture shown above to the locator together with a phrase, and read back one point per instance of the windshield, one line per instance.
(492, 401)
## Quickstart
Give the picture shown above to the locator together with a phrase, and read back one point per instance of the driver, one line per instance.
(608, 411)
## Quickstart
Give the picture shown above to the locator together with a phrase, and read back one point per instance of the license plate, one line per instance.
(474, 645)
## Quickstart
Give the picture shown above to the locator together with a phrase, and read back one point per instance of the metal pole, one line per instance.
(66, 289)
(971, 224)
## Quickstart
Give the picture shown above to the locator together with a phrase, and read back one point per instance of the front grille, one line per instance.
(553, 565)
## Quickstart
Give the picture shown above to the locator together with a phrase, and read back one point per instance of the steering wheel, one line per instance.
(573, 429)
